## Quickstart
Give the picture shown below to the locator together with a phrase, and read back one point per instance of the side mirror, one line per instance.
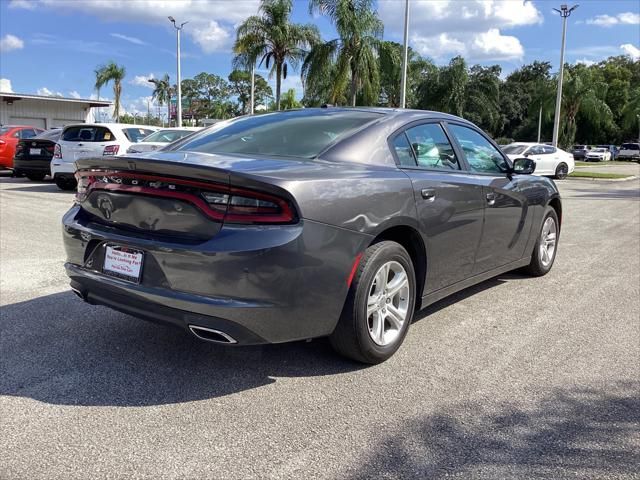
(524, 166)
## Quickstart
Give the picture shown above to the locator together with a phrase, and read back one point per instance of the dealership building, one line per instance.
(46, 112)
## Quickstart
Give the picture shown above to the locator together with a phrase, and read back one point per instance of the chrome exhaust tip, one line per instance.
(211, 335)
(79, 293)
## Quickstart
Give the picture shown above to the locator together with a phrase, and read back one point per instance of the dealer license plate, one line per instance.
(122, 262)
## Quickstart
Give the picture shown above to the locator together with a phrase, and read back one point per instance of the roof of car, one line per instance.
(117, 125)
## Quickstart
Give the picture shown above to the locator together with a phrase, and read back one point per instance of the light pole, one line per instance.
(403, 84)
(564, 12)
(638, 127)
(179, 99)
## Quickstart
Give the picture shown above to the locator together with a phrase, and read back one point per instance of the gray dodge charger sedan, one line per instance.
(338, 222)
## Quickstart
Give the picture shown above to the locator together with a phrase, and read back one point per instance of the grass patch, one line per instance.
(578, 174)
(602, 164)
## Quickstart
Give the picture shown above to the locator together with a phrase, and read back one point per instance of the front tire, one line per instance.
(544, 252)
(379, 306)
(562, 170)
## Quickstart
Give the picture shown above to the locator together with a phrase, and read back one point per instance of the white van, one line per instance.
(91, 140)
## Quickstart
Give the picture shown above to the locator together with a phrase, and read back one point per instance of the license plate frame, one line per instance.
(123, 262)
(35, 151)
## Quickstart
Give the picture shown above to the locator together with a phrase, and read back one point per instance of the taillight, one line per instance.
(219, 202)
(111, 150)
(50, 148)
(57, 151)
(2, 142)
(19, 148)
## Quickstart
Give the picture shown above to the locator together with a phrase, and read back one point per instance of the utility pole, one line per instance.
(638, 127)
(253, 86)
(564, 12)
(179, 99)
(539, 123)
(403, 84)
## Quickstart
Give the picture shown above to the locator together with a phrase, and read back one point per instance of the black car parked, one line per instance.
(580, 151)
(33, 156)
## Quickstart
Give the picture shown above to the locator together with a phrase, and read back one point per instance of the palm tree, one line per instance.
(273, 40)
(111, 73)
(354, 53)
(162, 92)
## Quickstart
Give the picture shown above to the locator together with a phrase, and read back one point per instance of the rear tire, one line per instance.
(562, 170)
(65, 183)
(543, 257)
(379, 306)
(36, 177)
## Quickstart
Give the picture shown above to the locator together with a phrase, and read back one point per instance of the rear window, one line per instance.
(630, 146)
(167, 136)
(4, 130)
(579, 147)
(87, 134)
(52, 135)
(298, 133)
(136, 134)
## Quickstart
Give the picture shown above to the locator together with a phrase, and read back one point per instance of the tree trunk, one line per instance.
(354, 84)
(278, 83)
(117, 90)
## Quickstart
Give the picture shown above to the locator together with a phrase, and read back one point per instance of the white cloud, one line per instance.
(631, 50)
(126, 38)
(26, 4)
(142, 80)
(626, 18)
(74, 94)
(208, 34)
(473, 28)
(10, 42)
(45, 92)
(5, 85)
(211, 37)
(585, 61)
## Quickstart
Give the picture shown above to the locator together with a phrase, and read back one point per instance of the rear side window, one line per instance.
(27, 133)
(548, 149)
(87, 134)
(296, 133)
(482, 156)
(136, 134)
(431, 148)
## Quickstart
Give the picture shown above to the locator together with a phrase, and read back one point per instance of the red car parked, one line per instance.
(10, 135)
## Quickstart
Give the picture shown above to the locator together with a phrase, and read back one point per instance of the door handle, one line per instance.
(428, 194)
(491, 199)
(81, 145)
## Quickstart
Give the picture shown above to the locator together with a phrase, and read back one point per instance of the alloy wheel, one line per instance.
(388, 303)
(548, 241)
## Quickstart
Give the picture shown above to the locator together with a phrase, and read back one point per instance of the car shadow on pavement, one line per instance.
(59, 350)
(571, 433)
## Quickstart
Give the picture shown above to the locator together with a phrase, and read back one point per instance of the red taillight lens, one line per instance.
(219, 202)
(2, 142)
(19, 148)
(111, 150)
(50, 148)
(57, 152)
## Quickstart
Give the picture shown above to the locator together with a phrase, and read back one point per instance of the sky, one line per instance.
(52, 47)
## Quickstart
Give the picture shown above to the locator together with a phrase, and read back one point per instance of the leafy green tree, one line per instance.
(353, 56)
(271, 38)
(240, 85)
(289, 101)
(114, 73)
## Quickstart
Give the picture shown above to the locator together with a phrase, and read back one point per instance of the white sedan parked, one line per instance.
(161, 139)
(550, 161)
(598, 155)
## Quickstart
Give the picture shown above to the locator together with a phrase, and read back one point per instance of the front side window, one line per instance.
(481, 155)
(431, 148)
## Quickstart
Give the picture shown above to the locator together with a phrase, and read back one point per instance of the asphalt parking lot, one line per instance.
(514, 378)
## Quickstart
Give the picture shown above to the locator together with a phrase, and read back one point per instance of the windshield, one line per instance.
(296, 133)
(514, 149)
(136, 134)
(167, 136)
(598, 150)
(631, 146)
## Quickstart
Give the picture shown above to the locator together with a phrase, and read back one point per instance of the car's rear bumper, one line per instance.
(32, 166)
(256, 284)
